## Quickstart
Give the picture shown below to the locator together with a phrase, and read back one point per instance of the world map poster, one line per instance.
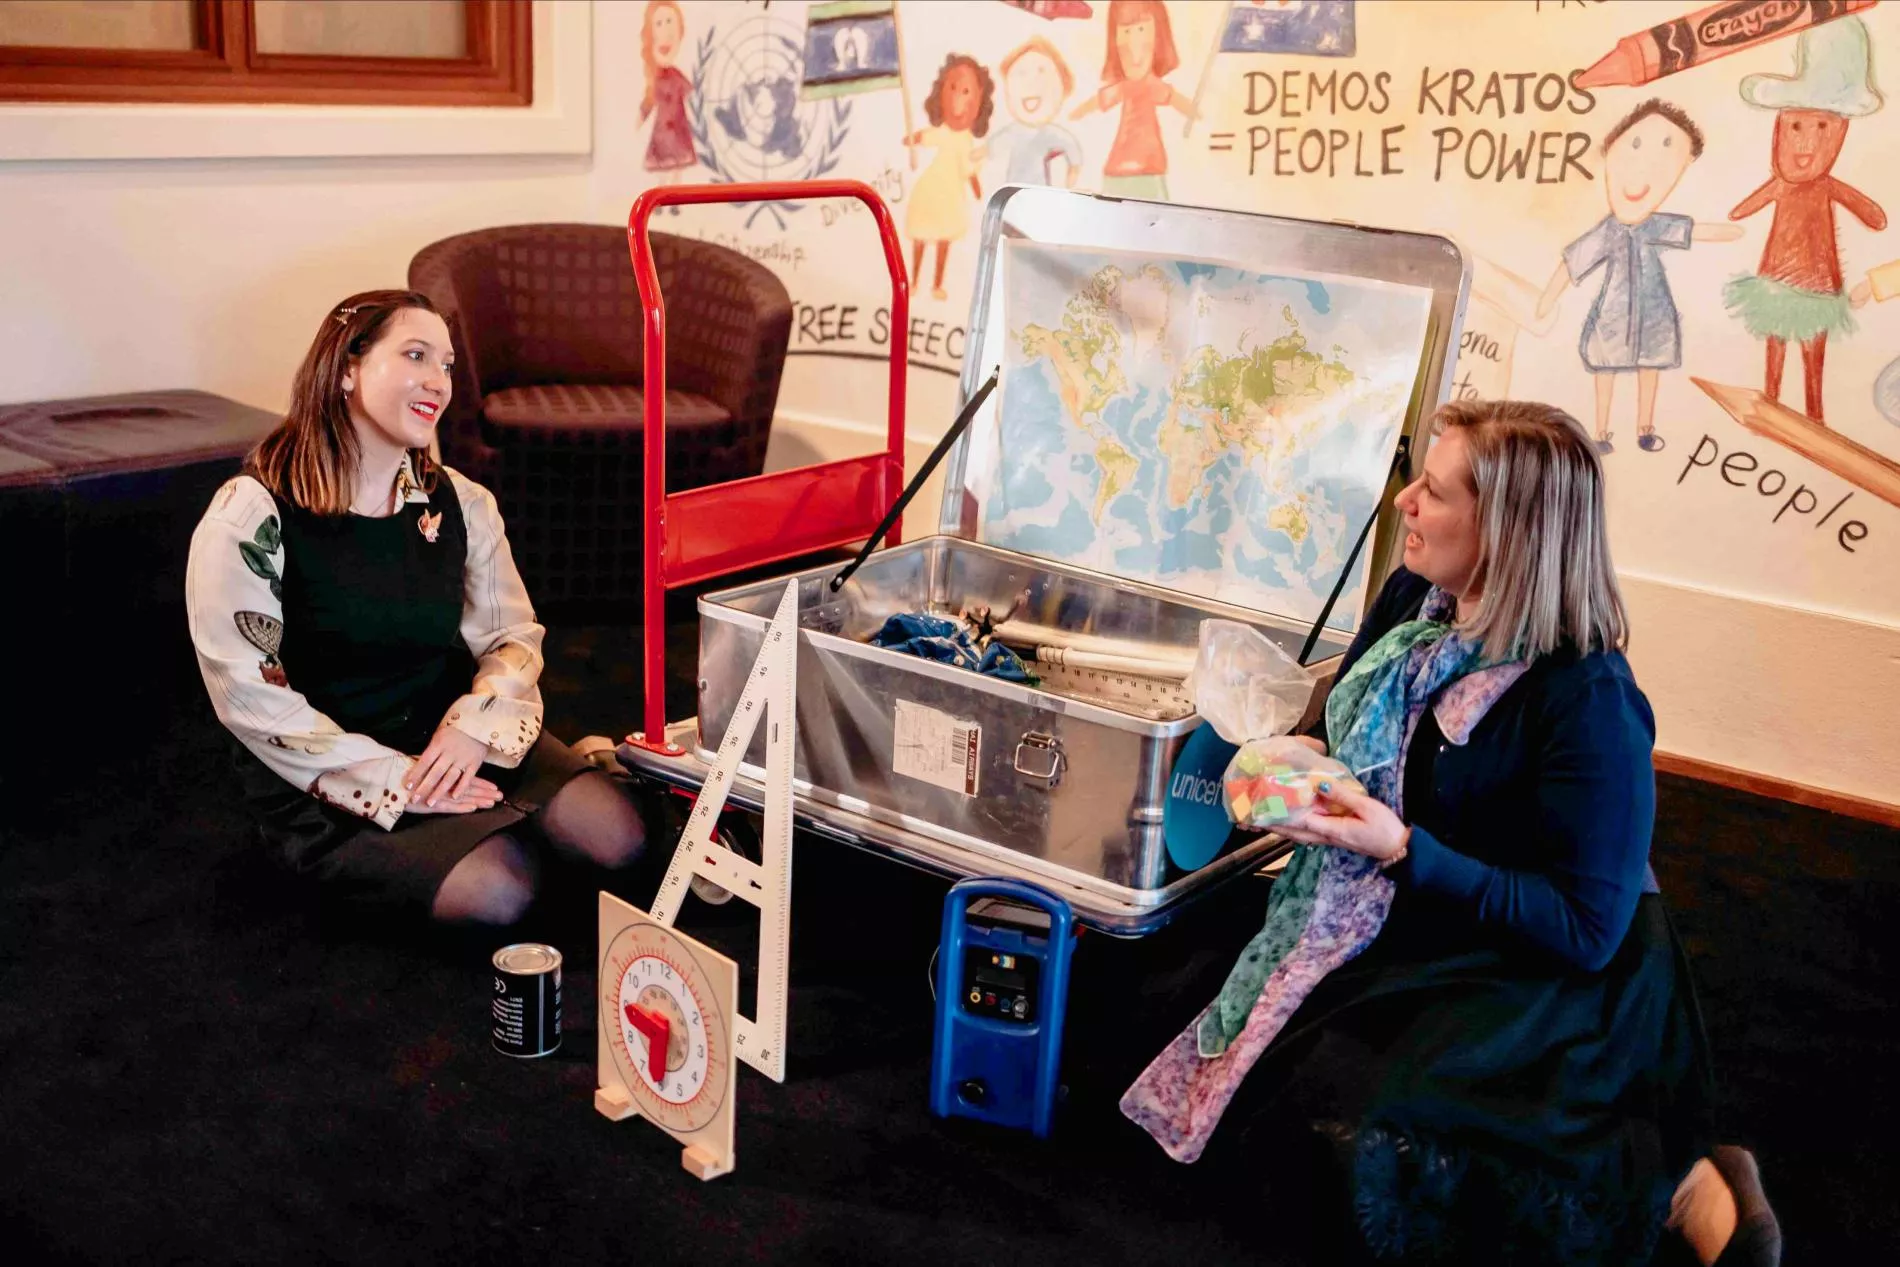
(1197, 426)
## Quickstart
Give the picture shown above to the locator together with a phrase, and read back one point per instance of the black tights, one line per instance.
(590, 819)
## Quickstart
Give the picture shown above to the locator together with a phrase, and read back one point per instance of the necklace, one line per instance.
(382, 510)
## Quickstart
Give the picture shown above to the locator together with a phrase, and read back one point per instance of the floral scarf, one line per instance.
(1329, 903)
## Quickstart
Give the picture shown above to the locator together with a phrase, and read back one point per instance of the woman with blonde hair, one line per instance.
(365, 637)
(1502, 1057)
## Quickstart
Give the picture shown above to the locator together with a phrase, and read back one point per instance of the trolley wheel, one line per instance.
(734, 832)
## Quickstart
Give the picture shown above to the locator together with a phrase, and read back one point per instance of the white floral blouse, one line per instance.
(237, 628)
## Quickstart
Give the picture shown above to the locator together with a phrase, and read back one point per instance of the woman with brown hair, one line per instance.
(1501, 1055)
(364, 635)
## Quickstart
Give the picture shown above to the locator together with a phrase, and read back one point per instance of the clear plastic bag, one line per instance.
(1252, 693)
(1274, 782)
(1244, 685)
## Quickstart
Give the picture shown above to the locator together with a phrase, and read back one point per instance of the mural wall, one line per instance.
(1678, 217)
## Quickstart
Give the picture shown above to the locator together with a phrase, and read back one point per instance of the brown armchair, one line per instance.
(547, 408)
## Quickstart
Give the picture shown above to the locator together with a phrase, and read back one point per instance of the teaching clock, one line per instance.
(666, 1029)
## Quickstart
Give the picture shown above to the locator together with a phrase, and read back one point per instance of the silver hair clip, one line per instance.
(343, 315)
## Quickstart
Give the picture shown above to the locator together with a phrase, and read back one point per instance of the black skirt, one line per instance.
(1448, 1099)
(358, 862)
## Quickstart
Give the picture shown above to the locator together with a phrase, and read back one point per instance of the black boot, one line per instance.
(1757, 1239)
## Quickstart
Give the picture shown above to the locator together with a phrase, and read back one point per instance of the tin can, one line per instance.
(526, 1003)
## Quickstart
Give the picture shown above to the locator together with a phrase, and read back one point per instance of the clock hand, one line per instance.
(656, 1029)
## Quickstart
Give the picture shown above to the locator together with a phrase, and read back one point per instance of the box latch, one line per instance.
(1039, 756)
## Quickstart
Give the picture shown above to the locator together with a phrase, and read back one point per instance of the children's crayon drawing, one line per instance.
(1035, 149)
(1882, 283)
(1634, 327)
(1796, 295)
(1141, 54)
(1053, 9)
(850, 48)
(670, 145)
(959, 107)
(1702, 36)
(1674, 213)
(1314, 28)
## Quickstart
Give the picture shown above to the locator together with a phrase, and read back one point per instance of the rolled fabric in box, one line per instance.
(947, 641)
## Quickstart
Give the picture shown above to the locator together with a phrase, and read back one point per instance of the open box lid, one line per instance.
(1203, 401)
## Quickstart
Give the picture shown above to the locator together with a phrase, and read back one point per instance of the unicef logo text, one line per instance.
(1192, 787)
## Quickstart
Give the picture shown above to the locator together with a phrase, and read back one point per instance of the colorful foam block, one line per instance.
(1275, 797)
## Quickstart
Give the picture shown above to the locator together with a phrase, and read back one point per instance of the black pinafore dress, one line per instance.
(372, 638)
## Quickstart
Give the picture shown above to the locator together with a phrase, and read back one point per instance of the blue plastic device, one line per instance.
(1002, 988)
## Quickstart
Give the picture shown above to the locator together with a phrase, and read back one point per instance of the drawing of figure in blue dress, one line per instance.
(1633, 326)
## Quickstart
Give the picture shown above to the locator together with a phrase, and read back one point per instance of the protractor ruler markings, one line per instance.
(770, 694)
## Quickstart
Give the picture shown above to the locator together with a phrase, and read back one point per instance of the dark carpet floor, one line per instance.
(198, 1066)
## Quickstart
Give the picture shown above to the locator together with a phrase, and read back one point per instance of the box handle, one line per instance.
(1040, 756)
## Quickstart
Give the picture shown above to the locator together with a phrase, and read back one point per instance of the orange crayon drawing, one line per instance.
(1797, 295)
(1707, 34)
(1141, 53)
(1821, 445)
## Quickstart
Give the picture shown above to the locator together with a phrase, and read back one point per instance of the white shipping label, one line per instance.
(936, 748)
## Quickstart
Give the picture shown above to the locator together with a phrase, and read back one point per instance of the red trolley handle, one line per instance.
(841, 502)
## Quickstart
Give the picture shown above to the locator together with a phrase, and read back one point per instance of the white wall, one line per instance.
(122, 275)
(1791, 694)
(214, 274)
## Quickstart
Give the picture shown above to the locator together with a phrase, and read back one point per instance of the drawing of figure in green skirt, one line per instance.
(1796, 296)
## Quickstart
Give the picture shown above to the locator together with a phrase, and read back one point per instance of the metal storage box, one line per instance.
(1062, 784)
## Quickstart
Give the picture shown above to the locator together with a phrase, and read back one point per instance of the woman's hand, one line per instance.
(1317, 745)
(1352, 820)
(445, 767)
(481, 794)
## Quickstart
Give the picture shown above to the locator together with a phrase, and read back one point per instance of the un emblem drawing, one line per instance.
(749, 119)
(1887, 392)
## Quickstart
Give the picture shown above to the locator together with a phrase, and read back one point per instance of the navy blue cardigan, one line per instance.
(1539, 826)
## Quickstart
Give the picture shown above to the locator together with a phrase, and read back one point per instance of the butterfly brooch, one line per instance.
(429, 525)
